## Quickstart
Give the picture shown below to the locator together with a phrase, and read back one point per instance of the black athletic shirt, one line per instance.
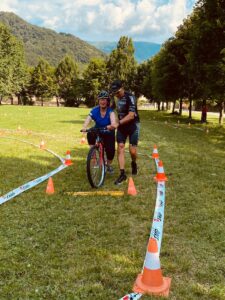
(127, 104)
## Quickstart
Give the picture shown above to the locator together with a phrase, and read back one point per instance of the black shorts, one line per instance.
(132, 131)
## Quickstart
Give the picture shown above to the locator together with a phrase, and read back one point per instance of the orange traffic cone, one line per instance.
(131, 187)
(83, 140)
(160, 174)
(50, 187)
(151, 280)
(155, 153)
(42, 145)
(68, 161)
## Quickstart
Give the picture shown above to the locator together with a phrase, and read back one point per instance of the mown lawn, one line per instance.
(67, 247)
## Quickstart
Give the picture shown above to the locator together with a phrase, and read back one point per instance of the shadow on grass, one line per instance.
(73, 121)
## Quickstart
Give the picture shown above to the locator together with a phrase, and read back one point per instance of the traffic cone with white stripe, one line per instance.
(151, 280)
(68, 161)
(155, 153)
(160, 173)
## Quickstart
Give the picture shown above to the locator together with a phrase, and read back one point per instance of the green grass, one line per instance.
(66, 247)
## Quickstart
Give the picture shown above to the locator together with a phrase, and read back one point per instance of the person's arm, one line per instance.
(114, 124)
(127, 118)
(131, 112)
(87, 122)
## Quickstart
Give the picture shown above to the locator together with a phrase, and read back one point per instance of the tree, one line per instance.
(43, 81)
(95, 79)
(121, 63)
(66, 77)
(13, 70)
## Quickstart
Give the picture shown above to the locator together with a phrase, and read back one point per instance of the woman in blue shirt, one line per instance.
(103, 116)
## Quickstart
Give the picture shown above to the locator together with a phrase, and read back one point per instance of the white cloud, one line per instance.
(150, 20)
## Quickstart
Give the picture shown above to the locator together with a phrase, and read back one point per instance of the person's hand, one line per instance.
(110, 127)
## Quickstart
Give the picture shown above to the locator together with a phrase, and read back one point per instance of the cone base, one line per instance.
(68, 163)
(162, 290)
(132, 192)
(155, 156)
(162, 179)
(49, 193)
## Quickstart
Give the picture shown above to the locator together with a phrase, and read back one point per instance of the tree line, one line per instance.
(190, 66)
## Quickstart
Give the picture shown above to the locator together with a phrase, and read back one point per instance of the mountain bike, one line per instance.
(96, 162)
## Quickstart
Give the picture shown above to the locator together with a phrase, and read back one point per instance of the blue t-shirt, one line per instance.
(99, 120)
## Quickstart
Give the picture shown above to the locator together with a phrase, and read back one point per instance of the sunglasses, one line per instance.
(116, 93)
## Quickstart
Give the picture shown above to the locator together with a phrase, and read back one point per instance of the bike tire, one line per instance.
(95, 167)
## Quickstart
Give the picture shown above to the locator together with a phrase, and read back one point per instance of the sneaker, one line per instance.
(109, 169)
(134, 168)
(120, 179)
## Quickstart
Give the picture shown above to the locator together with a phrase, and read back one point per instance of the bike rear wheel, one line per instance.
(95, 167)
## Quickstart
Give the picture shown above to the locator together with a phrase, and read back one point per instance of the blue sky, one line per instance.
(104, 20)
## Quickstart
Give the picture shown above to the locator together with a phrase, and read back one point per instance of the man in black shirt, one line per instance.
(129, 126)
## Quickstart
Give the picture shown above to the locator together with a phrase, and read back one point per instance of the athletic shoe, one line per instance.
(134, 168)
(120, 179)
(109, 169)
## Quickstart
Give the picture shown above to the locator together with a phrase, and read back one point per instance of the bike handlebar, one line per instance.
(96, 130)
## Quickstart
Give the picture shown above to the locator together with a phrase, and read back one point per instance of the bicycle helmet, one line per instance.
(103, 95)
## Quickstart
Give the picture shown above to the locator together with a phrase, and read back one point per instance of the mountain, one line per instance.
(47, 43)
(143, 50)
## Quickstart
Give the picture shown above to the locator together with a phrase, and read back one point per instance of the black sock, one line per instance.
(122, 171)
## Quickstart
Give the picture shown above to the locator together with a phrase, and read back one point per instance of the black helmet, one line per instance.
(103, 95)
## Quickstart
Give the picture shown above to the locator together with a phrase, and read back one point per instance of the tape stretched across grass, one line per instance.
(157, 225)
(34, 182)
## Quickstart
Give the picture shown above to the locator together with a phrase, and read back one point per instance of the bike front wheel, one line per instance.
(95, 167)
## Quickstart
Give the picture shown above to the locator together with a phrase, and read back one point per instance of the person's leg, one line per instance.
(109, 144)
(133, 140)
(121, 140)
(121, 155)
(91, 137)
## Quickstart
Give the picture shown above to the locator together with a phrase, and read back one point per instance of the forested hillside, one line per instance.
(47, 43)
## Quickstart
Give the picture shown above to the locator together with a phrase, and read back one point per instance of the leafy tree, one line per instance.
(66, 76)
(95, 79)
(121, 63)
(43, 81)
(13, 70)
(143, 80)
(207, 50)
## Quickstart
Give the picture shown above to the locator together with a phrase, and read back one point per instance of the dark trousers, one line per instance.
(108, 140)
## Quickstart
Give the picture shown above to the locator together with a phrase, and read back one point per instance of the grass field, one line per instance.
(67, 247)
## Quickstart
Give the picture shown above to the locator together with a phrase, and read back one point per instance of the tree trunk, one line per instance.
(167, 105)
(181, 107)
(221, 112)
(158, 104)
(11, 100)
(19, 99)
(162, 105)
(57, 101)
(0, 100)
(173, 108)
(190, 109)
(42, 102)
